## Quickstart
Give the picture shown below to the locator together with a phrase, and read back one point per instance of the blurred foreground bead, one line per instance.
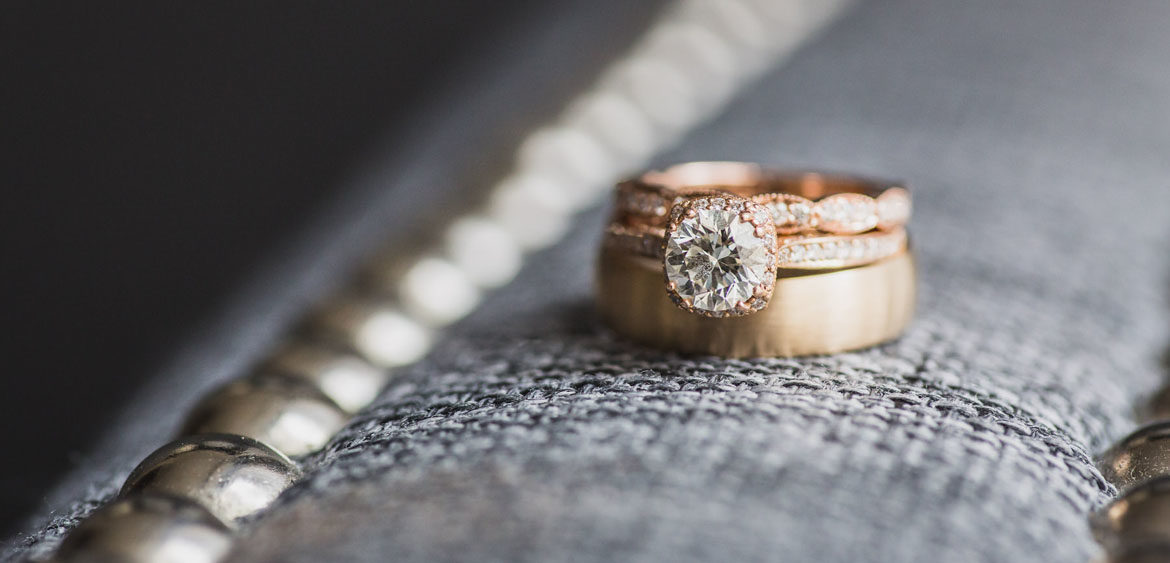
(483, 250)
(289, 415)
(1140, 516)
(661, 90)
(233, 477)
(147, 528)
(1139, 457)
(437, 292)
(377, 331)
(528, 205)
(1158, 407)
(735, 20)
(621, 127)
(694, 49)
(1156, 552)
(574, 157)
(348, 380)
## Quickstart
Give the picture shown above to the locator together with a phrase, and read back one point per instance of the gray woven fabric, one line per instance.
(1037, 142)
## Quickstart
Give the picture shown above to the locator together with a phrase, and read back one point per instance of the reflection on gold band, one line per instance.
(819, 313)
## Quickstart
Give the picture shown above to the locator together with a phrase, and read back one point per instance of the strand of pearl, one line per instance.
(233, 460)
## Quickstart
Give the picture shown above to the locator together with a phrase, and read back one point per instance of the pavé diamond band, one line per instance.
(724, 230)
(811, 252)
(798, 202)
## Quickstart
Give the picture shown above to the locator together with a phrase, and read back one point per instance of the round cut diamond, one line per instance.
(715, 259)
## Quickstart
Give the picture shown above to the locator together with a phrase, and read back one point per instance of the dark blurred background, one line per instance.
(155, 155)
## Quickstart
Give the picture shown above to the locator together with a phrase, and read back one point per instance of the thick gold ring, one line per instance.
(809, 314)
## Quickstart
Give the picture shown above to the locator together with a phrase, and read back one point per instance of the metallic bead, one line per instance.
(376, 330)
(620, 125)
(575, 159)
(147, 527)
(1157, 552)
(695, 49)
(437, 292)
(1158, 407)
(1140, 516)
(288, 414)
(1141, 456)
(233, 477)
(736, 20)
(348, 380)
(661, 89)
(484, 250)
(530, 207)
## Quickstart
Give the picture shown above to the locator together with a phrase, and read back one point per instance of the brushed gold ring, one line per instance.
(819, 313)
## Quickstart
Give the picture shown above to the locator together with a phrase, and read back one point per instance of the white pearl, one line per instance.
(483, 250)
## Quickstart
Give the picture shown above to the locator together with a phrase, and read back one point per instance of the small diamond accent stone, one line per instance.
(846, 213)
(779, 211)
(893, 208)
(800, 212)
(790, 213)
(857, 251)
(841, 253)
(716, 260)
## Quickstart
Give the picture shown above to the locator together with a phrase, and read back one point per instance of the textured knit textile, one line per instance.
(1037, 141)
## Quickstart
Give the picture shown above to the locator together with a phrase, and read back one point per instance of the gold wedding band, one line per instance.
(808, 314)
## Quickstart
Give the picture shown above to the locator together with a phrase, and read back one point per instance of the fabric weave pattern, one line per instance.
(1036, 142)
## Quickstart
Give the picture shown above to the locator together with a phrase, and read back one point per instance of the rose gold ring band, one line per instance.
(799, 201)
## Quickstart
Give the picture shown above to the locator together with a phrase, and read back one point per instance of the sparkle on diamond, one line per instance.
(716, 260)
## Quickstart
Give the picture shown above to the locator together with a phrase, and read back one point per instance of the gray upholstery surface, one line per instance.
(1036, 135)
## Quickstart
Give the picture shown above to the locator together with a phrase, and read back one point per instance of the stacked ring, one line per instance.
(798, 202)
(814, 263)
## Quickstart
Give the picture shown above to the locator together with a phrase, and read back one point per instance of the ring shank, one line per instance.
(807, 315)
(746, 179)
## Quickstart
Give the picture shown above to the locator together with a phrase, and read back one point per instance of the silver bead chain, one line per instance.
(1135, 526)
(190, 498)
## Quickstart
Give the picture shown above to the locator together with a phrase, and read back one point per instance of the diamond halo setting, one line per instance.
(720, 256)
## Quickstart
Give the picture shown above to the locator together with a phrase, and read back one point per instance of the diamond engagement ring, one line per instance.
(798, 202)
(724, 231)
